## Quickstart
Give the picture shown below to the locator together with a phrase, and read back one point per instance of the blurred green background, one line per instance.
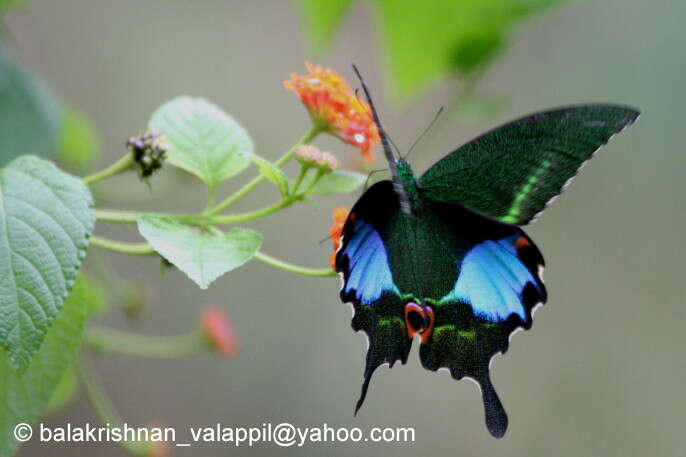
(602, 372)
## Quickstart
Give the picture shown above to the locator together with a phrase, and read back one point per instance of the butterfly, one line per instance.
(443, 257)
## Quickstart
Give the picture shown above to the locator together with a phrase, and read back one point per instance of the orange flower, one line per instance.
(340, 215)
(216, 324)
(335, 107)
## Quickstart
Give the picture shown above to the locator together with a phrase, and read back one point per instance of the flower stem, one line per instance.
(299, 180)
(159, 347)
(320, 174)
(120, 166)
(115, 215)
(121, 246)
(103, 404)
(226, 219)
(252, 185)
(320, 272)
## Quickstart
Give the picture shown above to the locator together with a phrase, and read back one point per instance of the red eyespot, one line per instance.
(419, 320)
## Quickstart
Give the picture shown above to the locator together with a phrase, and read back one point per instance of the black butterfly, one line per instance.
(442, 257)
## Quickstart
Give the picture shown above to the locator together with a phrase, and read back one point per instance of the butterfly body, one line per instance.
(442, 258)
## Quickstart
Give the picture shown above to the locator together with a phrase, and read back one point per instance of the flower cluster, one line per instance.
(149, 151)
(335, 107)
(310, 156)
(340, 215)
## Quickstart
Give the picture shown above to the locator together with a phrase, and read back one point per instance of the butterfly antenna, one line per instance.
(428, 127)
(382, 133)
(395, 146)
(392, 161)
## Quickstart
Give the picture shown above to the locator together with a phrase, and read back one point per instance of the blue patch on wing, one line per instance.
(368, 271)
(492, 279)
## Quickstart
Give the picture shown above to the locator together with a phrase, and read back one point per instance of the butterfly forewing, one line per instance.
(512, 172)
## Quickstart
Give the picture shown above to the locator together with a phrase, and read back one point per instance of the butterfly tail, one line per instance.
(496, 417)
(386, 335)
(365, 386)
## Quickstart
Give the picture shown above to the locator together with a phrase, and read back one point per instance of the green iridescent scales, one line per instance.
(513, 171)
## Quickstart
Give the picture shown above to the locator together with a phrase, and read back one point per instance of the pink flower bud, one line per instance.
(217, 326)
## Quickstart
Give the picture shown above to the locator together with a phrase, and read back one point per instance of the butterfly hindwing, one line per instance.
(368, 285)
(498, 288)
(460, 281)
(512, 172)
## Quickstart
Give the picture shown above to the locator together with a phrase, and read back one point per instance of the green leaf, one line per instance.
(201, 256)
(427, 40)
(26, 396)
(273, 174)
(46, 217)
(64, 392)
(204, 139)
(30, 116)
(339, 182)
(79, 146)
(322, 18)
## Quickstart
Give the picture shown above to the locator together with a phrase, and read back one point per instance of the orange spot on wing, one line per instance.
(523, 242)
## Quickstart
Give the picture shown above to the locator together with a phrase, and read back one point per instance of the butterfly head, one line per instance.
(406, 184)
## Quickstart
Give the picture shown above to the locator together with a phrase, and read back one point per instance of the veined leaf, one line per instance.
(273, 174)
(46, 217)
(204, 139)
(25, 396)
(339, 182)
(202, 257)
(30, 118)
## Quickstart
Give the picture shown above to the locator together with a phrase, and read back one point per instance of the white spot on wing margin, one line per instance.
(576, 173)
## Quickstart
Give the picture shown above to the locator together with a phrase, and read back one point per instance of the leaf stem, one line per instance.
(122, 246)
(103, 404)
(158, 347)
(320, 272)
(125, 163)
(115, 215)
(252, 185)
